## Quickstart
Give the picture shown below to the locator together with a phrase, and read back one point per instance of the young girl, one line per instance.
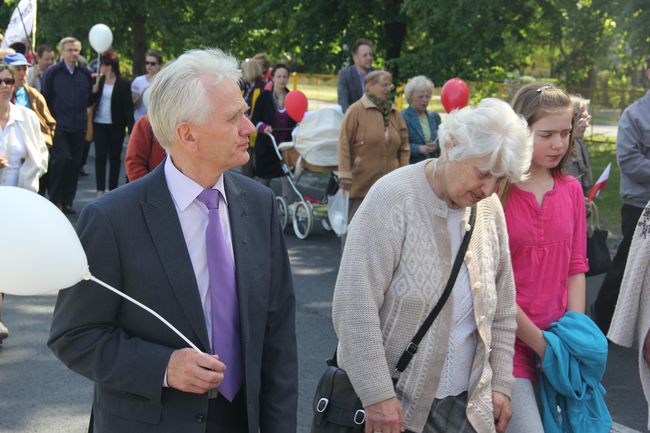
(545, 215)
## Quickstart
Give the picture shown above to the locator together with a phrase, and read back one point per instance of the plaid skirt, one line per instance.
(448, 415)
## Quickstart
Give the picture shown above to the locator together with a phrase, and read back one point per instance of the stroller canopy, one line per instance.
(317, 137)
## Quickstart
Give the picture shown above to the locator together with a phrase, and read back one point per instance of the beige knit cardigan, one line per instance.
(632, 314)
(396, 262)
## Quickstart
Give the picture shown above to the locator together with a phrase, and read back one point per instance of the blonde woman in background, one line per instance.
(23, 154)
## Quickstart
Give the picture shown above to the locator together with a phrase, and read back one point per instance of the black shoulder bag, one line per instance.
(336, 406)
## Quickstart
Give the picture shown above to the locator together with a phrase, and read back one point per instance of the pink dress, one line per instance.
(547, 245)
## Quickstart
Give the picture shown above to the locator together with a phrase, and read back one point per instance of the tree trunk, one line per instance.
(395, 33)
(140, 44)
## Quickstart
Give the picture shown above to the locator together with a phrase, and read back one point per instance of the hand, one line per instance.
(502, 410)
(424, 149)
(95, 88)
(345, 183)
(4, 162)
(384, 417)
(191, 371)
(268, 129)
(589, 207)
(646, 347)
(432, 146)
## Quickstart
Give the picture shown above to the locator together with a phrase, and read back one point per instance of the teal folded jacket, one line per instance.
(573, 365)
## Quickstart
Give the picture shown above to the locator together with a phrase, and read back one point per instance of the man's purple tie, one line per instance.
(223, 297)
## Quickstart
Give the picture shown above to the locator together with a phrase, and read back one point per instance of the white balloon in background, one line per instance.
(145, 97)
(40, 251)
(100, 37)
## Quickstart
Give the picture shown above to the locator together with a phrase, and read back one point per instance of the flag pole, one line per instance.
(34, 27)
(20, 14)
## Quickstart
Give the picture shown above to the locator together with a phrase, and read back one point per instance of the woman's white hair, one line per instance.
(491, 128)
(416, 84)
(180, 91)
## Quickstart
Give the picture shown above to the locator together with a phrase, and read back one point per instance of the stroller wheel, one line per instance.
(303, 219)
(326, 224)
(283, 211)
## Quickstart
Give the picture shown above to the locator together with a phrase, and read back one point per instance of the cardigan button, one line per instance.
(478, 286)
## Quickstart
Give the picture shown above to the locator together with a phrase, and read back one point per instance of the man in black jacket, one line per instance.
(67, 89)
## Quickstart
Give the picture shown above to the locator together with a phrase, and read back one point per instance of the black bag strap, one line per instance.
(412, 347)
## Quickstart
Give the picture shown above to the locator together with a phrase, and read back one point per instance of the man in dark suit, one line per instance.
(351, 85)
(155, 239)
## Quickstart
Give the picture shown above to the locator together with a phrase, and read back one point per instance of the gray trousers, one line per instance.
(525, 412)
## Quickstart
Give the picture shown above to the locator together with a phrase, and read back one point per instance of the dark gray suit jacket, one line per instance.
(349, 87)
(134, 242)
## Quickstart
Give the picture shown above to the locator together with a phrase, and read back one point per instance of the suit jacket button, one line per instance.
(200, 417)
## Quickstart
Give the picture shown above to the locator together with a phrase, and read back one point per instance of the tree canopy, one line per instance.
(474, 40)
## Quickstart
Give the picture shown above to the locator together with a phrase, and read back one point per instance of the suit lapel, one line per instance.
(239, 224)
(165, 229)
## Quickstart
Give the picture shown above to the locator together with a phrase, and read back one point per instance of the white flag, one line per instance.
(19, 30)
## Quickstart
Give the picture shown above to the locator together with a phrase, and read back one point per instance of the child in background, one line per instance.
(545, 215)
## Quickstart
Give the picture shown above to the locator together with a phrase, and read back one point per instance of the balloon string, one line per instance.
(144, 307)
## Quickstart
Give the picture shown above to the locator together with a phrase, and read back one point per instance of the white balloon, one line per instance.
(145, 97)
(39, 250)
(101, 37)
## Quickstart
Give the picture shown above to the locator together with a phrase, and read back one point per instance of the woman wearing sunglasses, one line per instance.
(23, 154)
(153, 63)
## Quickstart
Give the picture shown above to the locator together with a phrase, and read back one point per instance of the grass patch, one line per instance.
(602, 151)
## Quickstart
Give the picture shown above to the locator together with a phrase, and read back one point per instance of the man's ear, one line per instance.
(185, 136)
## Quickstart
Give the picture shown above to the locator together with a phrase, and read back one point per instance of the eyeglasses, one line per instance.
(8, 81)
(389, 86)
(151, 63)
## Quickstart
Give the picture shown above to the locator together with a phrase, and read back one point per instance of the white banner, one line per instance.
(16, 28)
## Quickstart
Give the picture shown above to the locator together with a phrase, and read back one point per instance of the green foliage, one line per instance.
(602, 151)
(573, 41)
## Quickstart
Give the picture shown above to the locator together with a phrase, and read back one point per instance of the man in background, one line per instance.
(67, 89)
(45, 60)
(351, 85)
(633, 155)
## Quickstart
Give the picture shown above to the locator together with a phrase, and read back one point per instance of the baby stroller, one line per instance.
(314, 148)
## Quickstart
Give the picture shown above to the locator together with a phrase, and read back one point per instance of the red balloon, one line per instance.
(296, 103)
(454, 94)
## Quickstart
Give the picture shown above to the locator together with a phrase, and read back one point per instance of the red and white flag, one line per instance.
(600, 183)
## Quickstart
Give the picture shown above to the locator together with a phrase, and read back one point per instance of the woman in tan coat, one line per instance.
(373, 141)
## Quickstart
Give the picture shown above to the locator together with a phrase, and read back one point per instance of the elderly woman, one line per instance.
(631, 321)
(23, 154)
(373, 140)
(396, 263)
(422, 124)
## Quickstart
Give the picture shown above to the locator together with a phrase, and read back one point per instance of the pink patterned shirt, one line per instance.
(547, 244)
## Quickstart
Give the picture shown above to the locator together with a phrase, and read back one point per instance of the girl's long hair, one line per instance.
(537, 100)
